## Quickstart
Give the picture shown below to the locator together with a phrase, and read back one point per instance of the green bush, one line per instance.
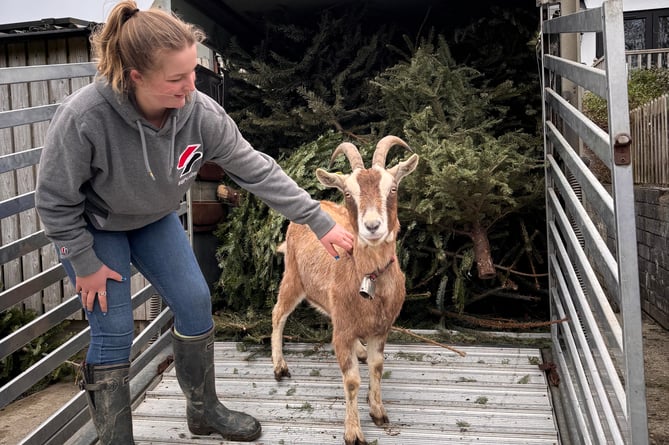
(643, 86)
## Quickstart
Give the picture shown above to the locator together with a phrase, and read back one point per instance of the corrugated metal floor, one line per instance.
(493, 396)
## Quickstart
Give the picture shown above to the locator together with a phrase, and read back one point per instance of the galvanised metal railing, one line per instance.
(592, 236)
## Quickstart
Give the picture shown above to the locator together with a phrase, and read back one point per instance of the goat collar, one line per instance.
(374, 275)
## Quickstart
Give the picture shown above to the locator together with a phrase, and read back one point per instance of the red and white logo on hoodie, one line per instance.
(187, 159)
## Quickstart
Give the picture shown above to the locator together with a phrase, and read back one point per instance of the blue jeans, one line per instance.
(162, 253)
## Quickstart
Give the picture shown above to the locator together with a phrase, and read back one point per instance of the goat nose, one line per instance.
(372, 226)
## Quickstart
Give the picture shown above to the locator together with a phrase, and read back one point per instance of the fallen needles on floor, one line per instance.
(428, 340)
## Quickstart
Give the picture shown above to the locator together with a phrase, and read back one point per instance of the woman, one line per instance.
(119, 155)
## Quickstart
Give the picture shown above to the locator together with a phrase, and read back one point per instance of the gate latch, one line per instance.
(621, 149)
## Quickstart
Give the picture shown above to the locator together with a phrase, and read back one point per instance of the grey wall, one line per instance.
(652, 219)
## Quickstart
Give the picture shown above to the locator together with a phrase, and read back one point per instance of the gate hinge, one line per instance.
(621, 149)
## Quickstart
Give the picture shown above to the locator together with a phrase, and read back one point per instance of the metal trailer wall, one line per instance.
(599, 351)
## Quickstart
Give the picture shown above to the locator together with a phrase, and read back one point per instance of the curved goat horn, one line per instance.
(352, 154)
(382, 149)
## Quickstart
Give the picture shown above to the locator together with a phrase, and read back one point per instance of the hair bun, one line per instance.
(128, 15)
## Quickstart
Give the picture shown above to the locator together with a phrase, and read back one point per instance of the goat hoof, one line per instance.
(281, 373)
(380, 421)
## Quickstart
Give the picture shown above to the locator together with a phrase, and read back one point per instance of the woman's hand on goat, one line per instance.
(337, 236)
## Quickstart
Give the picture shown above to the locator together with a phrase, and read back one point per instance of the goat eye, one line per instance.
(393, 189)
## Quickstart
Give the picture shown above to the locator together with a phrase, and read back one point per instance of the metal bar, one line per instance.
(594, 137)
(35, 284)
(17, 386)
(38, 73)
(12, 206)
(25, 334)
(28, 378)
(68, 419)
(600, 199)
(183, 208)
(23, 246)
(144, 338)
(584, 314)
(21, 159)
(582, 21)
(24, 116)
(592, 79)
(579, 257)
(593, 378)
(626, 241)
(580, 434)
(601, 256)
(581, 379)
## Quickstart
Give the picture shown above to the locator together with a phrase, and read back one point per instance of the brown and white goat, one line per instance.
(358, 314)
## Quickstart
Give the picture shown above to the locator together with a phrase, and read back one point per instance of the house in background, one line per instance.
(647, 28)
(646, 25)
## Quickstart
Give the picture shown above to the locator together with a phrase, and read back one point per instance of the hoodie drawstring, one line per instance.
(144, 149)
(144, 152)
(174, 135)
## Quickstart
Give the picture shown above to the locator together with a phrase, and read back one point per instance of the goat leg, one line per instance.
(348, 363)
(377, 411)
(280, 365)
(287, 301)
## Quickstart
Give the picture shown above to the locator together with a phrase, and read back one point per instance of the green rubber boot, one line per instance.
(108, 395)
(194, 364)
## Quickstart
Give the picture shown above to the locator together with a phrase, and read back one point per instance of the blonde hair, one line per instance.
(134, 39)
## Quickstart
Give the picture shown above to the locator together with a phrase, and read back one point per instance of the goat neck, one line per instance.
(373, 259)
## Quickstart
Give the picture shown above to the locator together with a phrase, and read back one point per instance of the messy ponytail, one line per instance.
(134, 39)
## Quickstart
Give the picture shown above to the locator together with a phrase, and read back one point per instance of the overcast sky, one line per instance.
(13, 11)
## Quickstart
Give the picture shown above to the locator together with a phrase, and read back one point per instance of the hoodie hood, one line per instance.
(127, 110)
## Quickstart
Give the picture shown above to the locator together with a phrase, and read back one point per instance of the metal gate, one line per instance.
(592, 235)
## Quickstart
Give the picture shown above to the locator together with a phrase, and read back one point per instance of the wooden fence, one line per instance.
(641, 58)
(649, 127)
(647, 58)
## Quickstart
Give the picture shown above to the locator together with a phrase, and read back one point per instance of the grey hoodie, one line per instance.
(102, 160)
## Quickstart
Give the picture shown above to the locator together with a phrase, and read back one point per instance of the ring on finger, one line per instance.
(103, 293)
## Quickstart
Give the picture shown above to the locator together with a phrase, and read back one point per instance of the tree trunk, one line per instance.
(482, 256)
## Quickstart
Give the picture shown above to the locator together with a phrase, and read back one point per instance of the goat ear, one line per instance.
(404, 168)
(331, 180)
